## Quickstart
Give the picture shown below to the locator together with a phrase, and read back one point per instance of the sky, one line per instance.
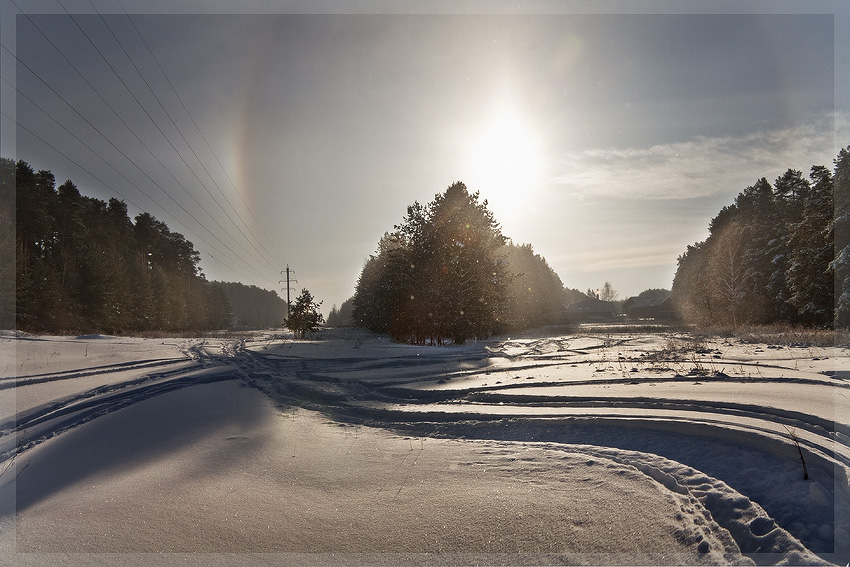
(275, 134)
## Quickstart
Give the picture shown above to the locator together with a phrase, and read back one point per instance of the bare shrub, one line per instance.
(778, 334)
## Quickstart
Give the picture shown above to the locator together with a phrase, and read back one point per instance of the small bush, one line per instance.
(778, 334)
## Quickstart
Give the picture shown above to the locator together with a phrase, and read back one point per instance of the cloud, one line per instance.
(640, 256)
(703, 166)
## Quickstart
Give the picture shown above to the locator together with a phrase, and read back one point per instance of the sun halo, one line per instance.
(506, 165)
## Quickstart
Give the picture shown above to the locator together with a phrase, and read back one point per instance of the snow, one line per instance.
(349, 449)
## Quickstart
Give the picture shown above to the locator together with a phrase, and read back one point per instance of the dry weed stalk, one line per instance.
(796, 440)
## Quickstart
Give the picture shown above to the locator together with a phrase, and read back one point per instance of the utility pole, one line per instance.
(288, 289)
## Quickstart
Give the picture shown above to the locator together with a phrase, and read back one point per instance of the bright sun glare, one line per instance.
(506, 164)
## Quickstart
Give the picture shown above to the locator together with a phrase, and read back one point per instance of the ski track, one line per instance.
(687, 446)
(35, 425)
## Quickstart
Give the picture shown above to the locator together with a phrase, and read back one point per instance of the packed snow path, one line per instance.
(722, 424)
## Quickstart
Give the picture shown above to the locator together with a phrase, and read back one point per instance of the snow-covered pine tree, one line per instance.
(841, 263)
(810, 277)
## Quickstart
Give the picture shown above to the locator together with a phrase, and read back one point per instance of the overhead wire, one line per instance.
(129, 128)
(94, 176)
(104, 183)
(227, 214)
(130, 160)
(167, 139)
(206, 141)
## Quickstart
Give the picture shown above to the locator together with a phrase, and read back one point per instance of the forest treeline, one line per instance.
(534, 297)
(253, 306)
(82, 265)
(446, 272)
(779, 253)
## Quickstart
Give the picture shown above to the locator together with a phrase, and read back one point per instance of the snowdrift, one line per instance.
(592, 449)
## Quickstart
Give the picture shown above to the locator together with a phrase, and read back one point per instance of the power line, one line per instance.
(209, 147)
(119, 150)
(116, 148)
(66, 156)
(167, 139)
(111, 188)
(130, 129)
(188, 144)
(288, 288)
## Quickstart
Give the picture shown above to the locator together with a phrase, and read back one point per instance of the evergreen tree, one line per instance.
(535, 293)
(438, 275)
(217, 308)
(810, 277)
(304, 316)
(252, 306)
(341, 317)
(841, 230)
(764, 253)
(776, 254)
(368, 307)
(791, 191)
(655, 292)
(38, 292)
(71, 231)
(82, 265)
(470, 275)
(7, 243)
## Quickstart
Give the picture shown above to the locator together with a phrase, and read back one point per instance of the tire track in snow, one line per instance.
(35, 425)
(344, 390)
(816, 425)
(29, 380)
(826, 439)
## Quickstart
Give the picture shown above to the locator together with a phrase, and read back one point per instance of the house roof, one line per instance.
(591, 306)
(648, 301)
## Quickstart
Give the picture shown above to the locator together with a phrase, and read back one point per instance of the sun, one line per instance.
(506, 164)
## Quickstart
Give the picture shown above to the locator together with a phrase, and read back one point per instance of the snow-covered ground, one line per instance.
(603, 449)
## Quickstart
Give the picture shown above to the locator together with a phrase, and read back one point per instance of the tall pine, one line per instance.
(81, 264)
(787, 259)
(810, 278)
(841, 228)
(439, 275)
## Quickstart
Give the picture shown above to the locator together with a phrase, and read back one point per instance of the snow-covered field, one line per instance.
(584, 448)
